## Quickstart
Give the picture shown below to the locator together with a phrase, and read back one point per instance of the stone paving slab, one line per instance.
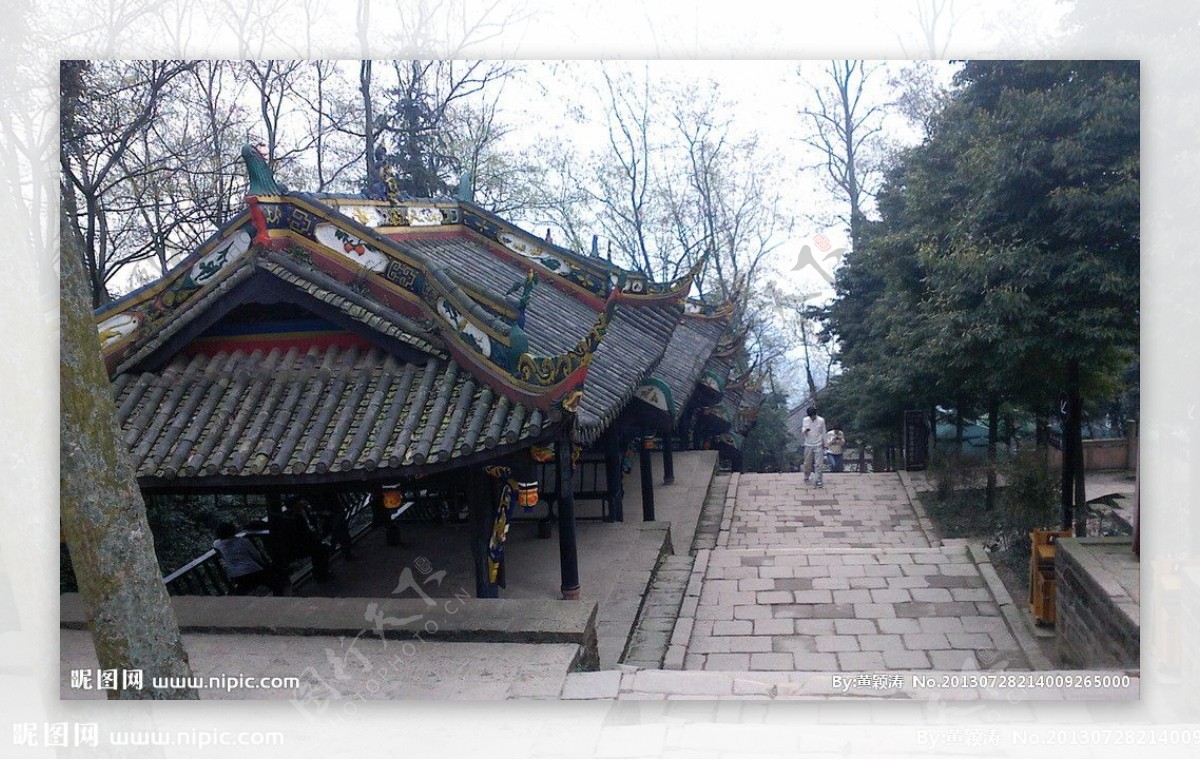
(841, 578)
(852, 510)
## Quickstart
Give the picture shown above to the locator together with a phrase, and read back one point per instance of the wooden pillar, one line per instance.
(381, 517)
(281, 553)
(647, 482)
(613, 477)
(568, 555)
(668, 460)
(481, 511)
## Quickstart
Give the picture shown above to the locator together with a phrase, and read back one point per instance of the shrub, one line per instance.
(1028, 501)
(953, 471)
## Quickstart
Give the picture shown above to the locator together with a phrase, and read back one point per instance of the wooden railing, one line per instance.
(205, 575)
(591, 484)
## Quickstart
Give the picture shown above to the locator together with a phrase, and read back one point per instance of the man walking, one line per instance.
(813, 430)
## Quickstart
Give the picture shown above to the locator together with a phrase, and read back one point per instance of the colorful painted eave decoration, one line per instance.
(590, 280)
(122, 322)
(406, 282)
(714, 380)
(657, 394)
(698, 309)
(323, 239)
(637, 287)
(732, 345)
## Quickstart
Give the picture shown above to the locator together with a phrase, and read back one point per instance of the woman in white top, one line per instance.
(245, 566)
(835, 446)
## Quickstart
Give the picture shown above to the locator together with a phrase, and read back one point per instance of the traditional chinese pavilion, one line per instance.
(319, 342)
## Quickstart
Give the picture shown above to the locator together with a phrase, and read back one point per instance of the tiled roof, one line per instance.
(311, 415)
(637, 338)
(688, 352)
(445, 365)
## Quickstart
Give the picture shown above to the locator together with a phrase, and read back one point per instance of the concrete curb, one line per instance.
(727, 514)
(1008, 608)
(681, 635)
(926, 524)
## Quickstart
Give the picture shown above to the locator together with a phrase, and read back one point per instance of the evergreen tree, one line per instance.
(1005, 267)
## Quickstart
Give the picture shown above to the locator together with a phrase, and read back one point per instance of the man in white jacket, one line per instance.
(813, 430)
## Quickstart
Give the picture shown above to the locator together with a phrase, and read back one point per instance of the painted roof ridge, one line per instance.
(341, 250)
(593, 275)
(475, 337)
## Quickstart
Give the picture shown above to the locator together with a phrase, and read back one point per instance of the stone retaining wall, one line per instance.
(1098, 622)
(522, 621)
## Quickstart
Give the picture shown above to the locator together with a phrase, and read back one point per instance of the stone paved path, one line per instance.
(854, 511)
(839, 579)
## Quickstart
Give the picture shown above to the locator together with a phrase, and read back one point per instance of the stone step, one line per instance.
(651, 634)
(709, 525)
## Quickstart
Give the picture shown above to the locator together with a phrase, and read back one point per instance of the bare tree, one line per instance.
(559, 192)
(845, 128)
(274, 81)
(365, 76)
(122, 100)
(336, 122)
(623, 180)
(918, 94)
(937, 19)
(724, 198)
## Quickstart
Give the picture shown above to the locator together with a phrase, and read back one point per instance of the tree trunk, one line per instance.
(103, 516)
(993, 439)
(1077, 454)
(364, 84)
(808, 375)
(1070, 422)
(933, 439)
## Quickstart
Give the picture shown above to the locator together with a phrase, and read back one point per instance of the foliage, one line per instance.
(184, 526)
(766, 445)
(422, 123)
(1030, 495)
(952, 471)
(1027, 501)
(1007, 245)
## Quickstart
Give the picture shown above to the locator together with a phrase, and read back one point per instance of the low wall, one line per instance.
(1098, 454)
(1098, 618)
(524, 621)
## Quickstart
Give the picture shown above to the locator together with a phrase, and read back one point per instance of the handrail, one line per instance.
(205, 575)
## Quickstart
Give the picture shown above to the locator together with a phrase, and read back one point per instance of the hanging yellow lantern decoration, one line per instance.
(527, 494)
(392, 499)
